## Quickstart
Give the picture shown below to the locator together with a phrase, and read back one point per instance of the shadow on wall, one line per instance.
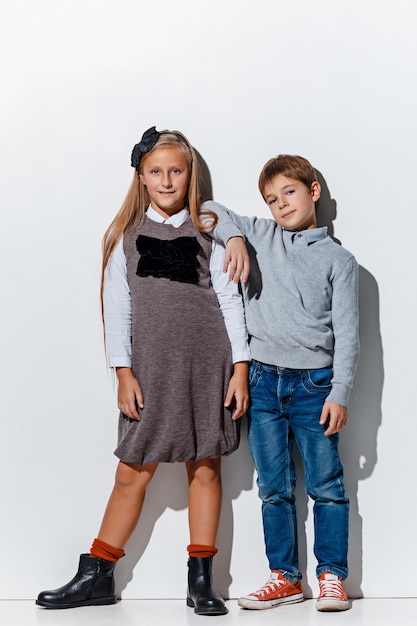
(206, 188)
(358, 442)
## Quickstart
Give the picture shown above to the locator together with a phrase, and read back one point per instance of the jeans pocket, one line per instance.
(318, 380)
(255, 373)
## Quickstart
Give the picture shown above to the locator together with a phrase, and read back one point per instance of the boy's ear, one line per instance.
(315, 191)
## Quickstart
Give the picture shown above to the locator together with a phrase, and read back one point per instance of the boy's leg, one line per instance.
(271, 443)
(323, 471)
(324, 481)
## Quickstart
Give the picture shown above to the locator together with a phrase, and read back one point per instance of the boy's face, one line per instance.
(292, 202)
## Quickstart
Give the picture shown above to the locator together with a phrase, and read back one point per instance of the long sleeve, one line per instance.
(231, 305)
(231, 224)
(345, 323)
(117, 311)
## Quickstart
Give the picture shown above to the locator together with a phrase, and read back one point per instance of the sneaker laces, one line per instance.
(331, 588)
(273, 584)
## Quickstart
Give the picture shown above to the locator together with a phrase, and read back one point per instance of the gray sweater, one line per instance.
(301, 299)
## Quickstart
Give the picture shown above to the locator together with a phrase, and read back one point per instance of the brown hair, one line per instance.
(133, 209)
(288, 165)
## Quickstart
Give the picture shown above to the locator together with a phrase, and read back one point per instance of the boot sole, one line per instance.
(208, 611)
(73, 605)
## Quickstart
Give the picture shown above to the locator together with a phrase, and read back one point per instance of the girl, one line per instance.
(174, 326)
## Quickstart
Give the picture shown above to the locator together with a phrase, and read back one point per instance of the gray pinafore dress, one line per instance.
(181, 353)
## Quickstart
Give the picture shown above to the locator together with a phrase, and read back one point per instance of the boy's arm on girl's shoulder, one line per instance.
(231, 230)
(230, 224)
(236, 260)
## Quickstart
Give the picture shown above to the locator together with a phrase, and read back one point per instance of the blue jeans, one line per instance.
(285, 406)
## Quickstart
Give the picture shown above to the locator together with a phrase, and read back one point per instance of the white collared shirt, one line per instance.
(118, 303)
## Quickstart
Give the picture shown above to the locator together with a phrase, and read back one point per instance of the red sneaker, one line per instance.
(277, 590)
(332, 596)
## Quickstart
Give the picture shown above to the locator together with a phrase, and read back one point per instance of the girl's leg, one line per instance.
(94, 583)
(125, 503)
(205, 497)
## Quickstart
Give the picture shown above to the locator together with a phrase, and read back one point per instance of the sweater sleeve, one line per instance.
(230, 224)
(345, 320)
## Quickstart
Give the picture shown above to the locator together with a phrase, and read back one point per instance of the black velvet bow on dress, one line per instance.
(175, 259)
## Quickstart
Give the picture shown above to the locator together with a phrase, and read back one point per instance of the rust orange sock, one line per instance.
(197, 550)
(105, 551)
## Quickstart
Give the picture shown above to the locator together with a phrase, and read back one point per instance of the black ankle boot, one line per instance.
(200, 593)
(92, 584)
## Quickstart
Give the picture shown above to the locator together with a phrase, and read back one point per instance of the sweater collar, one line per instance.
(305, 237)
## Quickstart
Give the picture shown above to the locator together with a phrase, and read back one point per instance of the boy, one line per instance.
(302, 317)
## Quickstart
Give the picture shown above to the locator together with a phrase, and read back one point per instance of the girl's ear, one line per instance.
(141, 179)
(315, 191)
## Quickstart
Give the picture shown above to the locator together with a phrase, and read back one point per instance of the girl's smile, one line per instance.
(166, 176)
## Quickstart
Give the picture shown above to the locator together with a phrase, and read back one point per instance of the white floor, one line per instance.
(369, 612)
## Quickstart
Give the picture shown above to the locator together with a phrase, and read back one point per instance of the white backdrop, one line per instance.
(244, 80)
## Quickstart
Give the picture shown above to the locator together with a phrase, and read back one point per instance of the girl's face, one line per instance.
(166, 176)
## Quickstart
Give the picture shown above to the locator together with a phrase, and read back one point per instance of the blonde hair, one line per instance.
(132, 211)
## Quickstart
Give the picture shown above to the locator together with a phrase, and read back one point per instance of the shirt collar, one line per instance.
(175, 220)
(306, 237)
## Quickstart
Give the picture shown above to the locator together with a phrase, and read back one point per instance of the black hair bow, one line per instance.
(148, 141)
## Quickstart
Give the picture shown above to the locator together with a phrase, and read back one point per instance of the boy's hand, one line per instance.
(238, 390)
(129, 394)
(237, 260)
(334, 416)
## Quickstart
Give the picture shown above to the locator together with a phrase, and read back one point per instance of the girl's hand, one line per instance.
(238, 390)
(129, 395)
(334, 416)
(237, 260)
